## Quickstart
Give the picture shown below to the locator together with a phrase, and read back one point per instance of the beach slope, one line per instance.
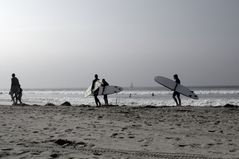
(118, 132)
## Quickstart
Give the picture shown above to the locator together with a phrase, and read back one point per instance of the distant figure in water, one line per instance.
(130, 95)
(15, 89)
(176, 95)
(95, 92)
(104, 84)
(152, 94)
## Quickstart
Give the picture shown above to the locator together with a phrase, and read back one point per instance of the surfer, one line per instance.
(95, 92)
(15, 88)
(19, 96)
(176, 95)
(104, 84)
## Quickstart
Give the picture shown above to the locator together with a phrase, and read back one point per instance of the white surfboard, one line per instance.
(109, 90)
(88, 90)
(106, 91)
(170, 84)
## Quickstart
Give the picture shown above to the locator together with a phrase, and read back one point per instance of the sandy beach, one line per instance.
(119, 132)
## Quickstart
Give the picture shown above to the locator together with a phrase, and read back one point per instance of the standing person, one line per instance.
(104, 84)
(176, 95)
(19, 96)
(15, 88)
(95, 91)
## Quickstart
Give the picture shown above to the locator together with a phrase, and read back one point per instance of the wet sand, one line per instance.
(118, 132)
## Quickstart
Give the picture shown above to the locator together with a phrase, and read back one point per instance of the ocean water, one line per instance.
(208, 96)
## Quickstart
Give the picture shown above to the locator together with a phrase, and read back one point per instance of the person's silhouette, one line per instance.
(15, 88)
(104, 84)
(176, 95)
(19, 96)
(95, 91)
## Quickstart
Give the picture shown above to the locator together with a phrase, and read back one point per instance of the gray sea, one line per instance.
(155, 96)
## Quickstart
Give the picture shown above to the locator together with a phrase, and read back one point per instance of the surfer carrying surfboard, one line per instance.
(176, 95)
(95, 90)
(104, 84)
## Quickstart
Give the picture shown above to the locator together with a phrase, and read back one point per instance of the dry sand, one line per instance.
(118, 132)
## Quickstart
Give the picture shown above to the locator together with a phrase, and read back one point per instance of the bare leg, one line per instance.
(97, 101)
(13, 98)
(106, 100)
(175, 100)
(99, 104)
(19, 98)
(174, 97)
(179, 99)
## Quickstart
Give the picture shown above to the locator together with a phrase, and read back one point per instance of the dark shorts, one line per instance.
(176, 94)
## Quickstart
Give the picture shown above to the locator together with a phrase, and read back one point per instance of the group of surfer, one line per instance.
(95, 90)
(16, 90)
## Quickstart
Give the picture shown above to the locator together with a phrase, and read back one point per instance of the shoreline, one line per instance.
(119, 132)
(68, 104)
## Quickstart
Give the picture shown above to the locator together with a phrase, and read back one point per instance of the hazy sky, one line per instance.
(63, 43)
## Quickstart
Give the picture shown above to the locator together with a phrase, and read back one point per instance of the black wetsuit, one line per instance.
(93, 86)
(15, 81)
(95, 92)
(104, 84)
(15, 88)
(177, 94)
(177, 82)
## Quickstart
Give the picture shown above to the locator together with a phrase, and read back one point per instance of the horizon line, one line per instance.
(127, 87)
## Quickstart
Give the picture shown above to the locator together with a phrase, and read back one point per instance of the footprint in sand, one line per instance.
(4, 154)
(218, 141)
(209, 145)
(35, 132)
(175, 138)
(148, 123)
(141, 140)
(233, 150)
(114, 135)
(148, 141)
(182, 145)
(124, 128)
(54, 155)
(194, 145)
(68, 130)
(131, 136)
(77, 127)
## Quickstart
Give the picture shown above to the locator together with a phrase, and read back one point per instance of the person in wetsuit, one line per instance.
(176, 95)
(15, 88)
(104, 84)
(95, 91)
(19, 96)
